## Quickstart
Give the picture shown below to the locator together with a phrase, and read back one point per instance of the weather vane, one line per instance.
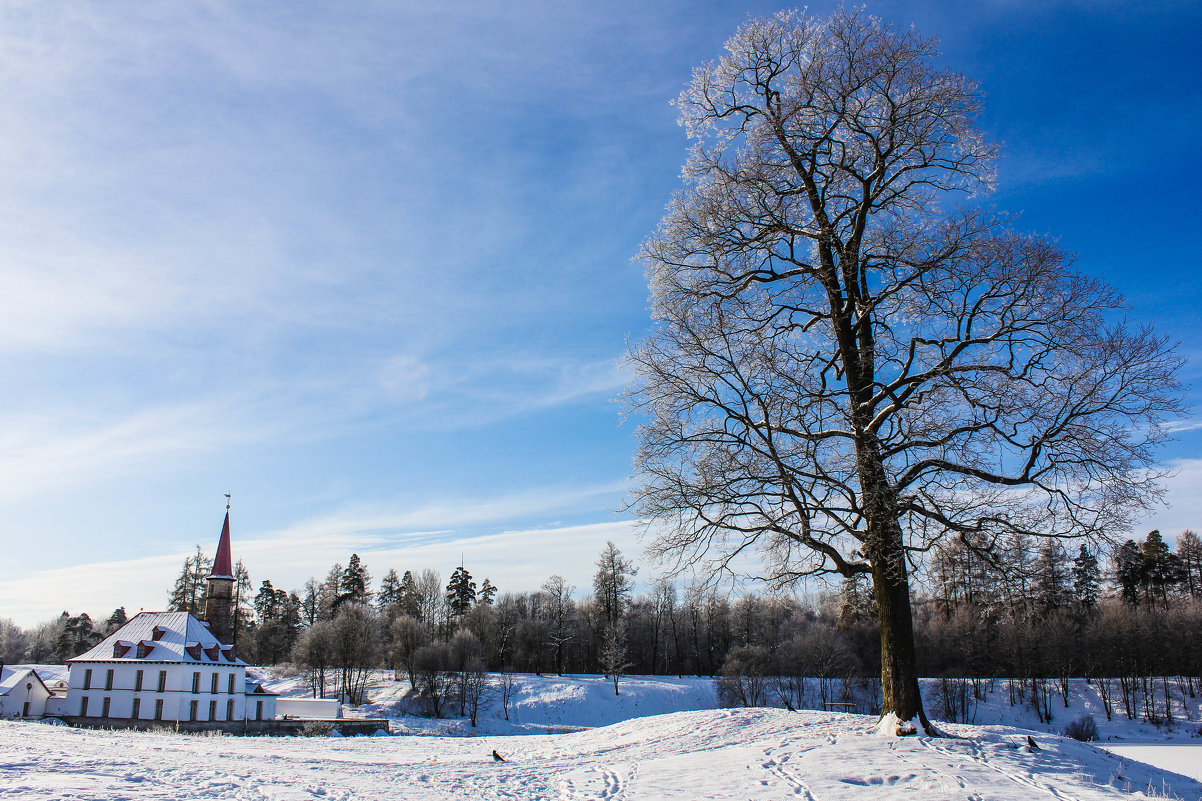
(227, 502)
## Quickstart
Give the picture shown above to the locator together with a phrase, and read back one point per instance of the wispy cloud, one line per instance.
(431, 535)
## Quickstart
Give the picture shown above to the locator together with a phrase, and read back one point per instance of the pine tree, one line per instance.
(1129, 571)
(1162, 568)
(408, 597)
(355, 583)
(487, 593)
(188, 593)
(389, 595)
(1052, 581)
(1085, 580)
(243, 608)
(78, 635)
(1189, 550)
(461, 592)
(116, 620)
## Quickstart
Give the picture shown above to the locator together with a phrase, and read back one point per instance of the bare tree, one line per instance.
(558, 613)
(614, 660)
(431, 664)
(405, 635)
(475, 687)
(507, 687)
(848, 364)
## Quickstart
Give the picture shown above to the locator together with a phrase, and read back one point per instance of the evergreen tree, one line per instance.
(389, 595)
(1189, 550)
(1085, 580)
(1129, 571)
(243, 603)
(116, 620)
(188, 593)
(461, 592)
(355, 584)
(1162, 568)
(78, 635)
(1053, 589)
(266, 604)
(487, 593)
(409, 599)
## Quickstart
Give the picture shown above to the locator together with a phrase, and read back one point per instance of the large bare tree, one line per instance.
(851, 360)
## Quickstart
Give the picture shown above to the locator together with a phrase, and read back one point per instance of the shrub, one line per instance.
(1084, 728)
(317, 728)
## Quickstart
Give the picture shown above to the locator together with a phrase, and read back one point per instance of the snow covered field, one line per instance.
(1183, 759)
(571, 702)
(718, 754)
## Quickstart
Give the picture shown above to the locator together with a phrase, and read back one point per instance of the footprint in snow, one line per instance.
(877, 781)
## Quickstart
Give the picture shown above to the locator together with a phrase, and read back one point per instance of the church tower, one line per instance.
(219, 594)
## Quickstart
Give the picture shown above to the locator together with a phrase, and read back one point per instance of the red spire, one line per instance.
(222, 568)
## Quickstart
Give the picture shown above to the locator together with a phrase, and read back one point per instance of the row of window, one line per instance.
(193, 709)
(138, 681)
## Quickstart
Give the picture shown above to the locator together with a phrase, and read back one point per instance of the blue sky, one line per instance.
(368, 266)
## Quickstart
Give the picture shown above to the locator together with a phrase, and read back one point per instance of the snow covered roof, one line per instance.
(14, 676)
(255, 688)
(161, 637)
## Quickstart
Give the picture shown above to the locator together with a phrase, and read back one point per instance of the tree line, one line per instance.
(1021, 611)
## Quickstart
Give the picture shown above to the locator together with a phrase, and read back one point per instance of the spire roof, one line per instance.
(222, 567)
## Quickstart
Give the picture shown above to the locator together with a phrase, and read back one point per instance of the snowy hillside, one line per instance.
(718, 754)
(557, 704)
(540, 704)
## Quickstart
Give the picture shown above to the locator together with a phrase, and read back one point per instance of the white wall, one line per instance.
(177, 695)
(28, 689)
(320, 708)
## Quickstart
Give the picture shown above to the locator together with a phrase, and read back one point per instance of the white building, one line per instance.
(23, 694)
(164, 666)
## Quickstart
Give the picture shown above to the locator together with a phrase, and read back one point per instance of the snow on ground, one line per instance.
(557, 704)
(540, 704)
(1183, 759)
(717, 754)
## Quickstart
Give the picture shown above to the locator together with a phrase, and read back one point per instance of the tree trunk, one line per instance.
(891, 586)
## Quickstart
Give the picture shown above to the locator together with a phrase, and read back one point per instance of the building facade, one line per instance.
(22, 693)
(164, 666)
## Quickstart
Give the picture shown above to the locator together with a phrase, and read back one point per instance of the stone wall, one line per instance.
(276, 728)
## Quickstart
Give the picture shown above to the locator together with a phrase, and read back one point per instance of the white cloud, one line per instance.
(1184, 498)
(432, 535)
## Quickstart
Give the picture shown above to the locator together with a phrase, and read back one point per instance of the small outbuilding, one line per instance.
(23, 694)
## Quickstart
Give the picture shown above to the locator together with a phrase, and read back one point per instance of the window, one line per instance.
(162, 681)
(196, 682)
(213, 684)
(83, 707)
(212, 710)
(192, 710)
(87, 679)
(157, 633)
(108, 680)
(258, 710)
(229, 709)
(231, 690)
(137, 708)
(158, 709)
(104, 708)
(138, 681)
